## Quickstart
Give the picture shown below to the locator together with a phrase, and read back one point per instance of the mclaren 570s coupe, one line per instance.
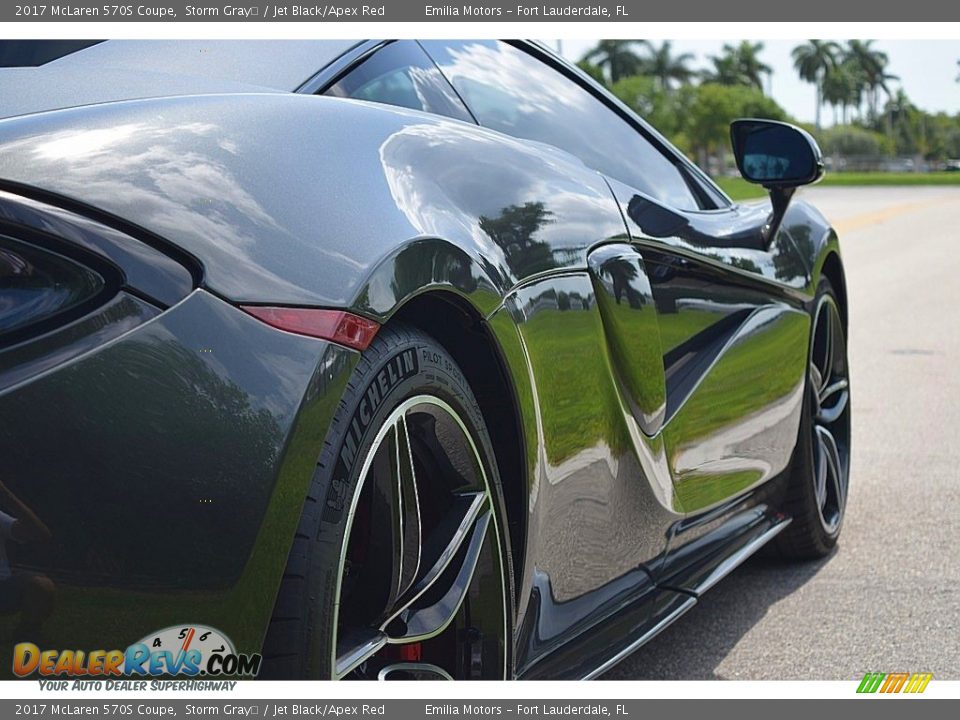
(396, 359)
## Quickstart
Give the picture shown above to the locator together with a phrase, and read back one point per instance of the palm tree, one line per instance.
(897, 111)
(872, 64)
(843, 87)
(813, 61)
(906, 125)
(666, 67)
(738, 65)
(725, 71)
(617, 57)
(750, 64)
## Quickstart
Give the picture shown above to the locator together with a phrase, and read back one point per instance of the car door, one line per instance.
(734, 338)
(732, 332)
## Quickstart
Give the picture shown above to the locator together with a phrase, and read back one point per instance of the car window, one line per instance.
(34, 53)
(508, 90)
(401, 74)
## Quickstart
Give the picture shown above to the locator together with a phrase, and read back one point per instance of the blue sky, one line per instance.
(927, 70)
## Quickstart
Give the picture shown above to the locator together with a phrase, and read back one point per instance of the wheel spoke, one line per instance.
(816, 379)
(814, 384)
(826, 371)
(355, 647)
(433, 611)
(827, 412)
(834, 465)
(422, 549)
(443, 544)
(409, 510)
(831, 480)
(820, 477)
(385, 541)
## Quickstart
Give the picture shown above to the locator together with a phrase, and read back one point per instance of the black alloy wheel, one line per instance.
(819, 477)
(400, 569)
(422, 589)
(829, 388)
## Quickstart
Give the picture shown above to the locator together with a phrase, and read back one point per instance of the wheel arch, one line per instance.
(832, 269)
(457, 325)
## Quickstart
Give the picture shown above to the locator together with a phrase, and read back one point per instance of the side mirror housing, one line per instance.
(778, 156)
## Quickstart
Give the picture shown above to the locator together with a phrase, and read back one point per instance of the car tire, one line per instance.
(405, 392)
(818, 478)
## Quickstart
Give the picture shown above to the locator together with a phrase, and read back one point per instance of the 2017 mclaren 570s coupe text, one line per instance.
(395, 359)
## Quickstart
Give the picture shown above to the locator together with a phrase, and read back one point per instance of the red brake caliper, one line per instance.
(411, 653)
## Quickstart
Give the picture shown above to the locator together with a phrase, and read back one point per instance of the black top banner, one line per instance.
(418, 11)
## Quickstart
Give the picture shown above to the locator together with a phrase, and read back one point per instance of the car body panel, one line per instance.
(459, 209)
(738, 426)
(180, 466)
(731, 305)
(723, 540)
(219, 177)
(592, 475)
(631, 330)
(130, 69)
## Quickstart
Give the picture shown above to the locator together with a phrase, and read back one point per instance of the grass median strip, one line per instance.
(740, 189)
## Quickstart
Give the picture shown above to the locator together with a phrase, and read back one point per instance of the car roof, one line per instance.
(134, 69)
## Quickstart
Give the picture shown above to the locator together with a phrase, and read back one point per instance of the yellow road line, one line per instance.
(858, 222)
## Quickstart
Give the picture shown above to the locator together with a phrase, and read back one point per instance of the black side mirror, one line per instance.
(775, 154)
(778, 156)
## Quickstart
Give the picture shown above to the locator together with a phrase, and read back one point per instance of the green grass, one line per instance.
(889, 178)
(740, 189)
(748, 379)
(676, 328)
(572, 381)
(572, 373)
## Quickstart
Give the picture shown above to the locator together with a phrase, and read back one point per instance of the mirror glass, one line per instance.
(774, 153)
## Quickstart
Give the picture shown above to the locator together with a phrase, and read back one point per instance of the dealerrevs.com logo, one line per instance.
(186, 650)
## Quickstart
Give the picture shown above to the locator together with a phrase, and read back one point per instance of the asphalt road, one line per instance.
(888, 598)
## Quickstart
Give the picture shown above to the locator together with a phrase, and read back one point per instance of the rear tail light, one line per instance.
(40, 288)
(336, 326)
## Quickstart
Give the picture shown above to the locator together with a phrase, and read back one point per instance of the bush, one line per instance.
(715, 106)
(695, 118)
(594, 71)
(852, 140)
(666, 111)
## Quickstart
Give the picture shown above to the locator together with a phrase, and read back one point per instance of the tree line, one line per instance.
(871, 117)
